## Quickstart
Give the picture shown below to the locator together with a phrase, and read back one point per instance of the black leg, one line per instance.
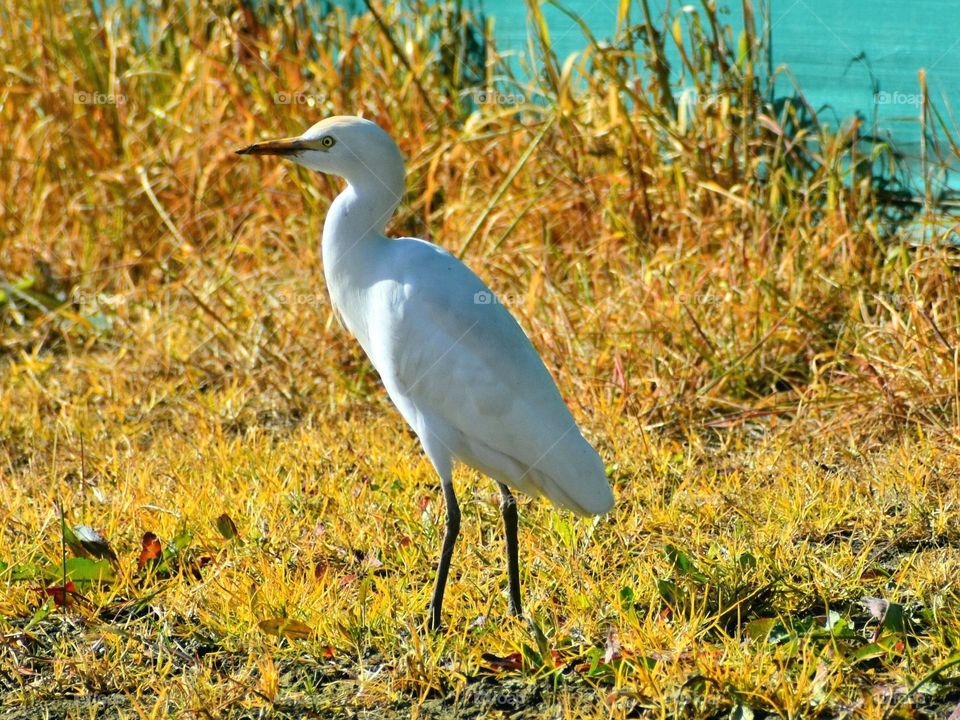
(508, 507)
(449, 540)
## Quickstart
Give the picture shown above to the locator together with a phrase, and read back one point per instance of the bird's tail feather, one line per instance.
(580, 486)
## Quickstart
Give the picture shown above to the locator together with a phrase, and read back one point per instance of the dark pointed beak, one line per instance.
(286, 146)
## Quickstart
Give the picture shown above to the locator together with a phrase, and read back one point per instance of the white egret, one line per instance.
(453, 360)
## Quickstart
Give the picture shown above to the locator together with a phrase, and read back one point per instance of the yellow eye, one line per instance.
(327, 141)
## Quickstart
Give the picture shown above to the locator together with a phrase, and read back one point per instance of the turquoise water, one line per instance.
(849, 58)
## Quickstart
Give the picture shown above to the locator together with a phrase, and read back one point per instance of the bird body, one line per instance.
(463, 374)
(454, 361)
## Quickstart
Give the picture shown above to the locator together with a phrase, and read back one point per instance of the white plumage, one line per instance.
(453, 360)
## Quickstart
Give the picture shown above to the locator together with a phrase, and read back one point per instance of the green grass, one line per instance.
(767, 366)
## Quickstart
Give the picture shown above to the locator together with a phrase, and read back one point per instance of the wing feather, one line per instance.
(495, 389)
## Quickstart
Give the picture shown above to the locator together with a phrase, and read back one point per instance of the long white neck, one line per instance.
(360, 214)
(354, 245)
(353, 217)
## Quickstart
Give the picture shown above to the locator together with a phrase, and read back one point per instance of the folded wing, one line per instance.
(496, 392)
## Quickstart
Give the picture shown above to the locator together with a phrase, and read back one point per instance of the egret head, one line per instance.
(353, 148)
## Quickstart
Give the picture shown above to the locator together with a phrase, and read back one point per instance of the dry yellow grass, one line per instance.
(769, 371)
